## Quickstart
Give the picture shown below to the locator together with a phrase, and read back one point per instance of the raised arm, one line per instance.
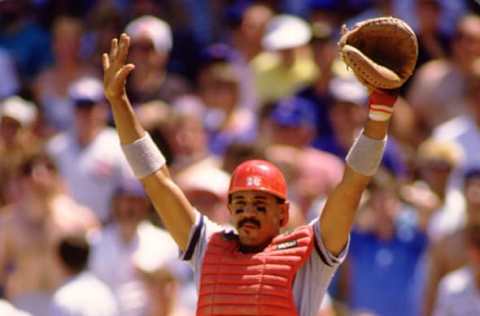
(362, 161)
(169, 201)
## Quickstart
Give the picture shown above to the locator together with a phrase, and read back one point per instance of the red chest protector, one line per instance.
(235, 283)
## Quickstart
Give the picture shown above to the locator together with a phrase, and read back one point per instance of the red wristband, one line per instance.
(380, 105)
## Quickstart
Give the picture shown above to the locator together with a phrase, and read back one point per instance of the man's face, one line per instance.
(9, 129)
(295, 136)
(88, 118)
(467, 41)
(436, 172)
(144, 55)
(254, 22)
(130, 209)
(258, 217)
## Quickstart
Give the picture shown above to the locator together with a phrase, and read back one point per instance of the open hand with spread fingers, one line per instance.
(115, 69)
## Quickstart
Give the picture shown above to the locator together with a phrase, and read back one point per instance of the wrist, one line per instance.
(143, 156)
(381, 105)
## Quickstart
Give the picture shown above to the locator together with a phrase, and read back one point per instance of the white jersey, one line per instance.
(458, 295)
(7, 309)
(83, 295)
(311, 281)
(93, 172)
(109, 250)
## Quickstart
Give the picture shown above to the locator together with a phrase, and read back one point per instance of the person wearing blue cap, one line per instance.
(294, 121)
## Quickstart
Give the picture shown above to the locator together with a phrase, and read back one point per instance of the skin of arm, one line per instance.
(169, 201)
(339, 213)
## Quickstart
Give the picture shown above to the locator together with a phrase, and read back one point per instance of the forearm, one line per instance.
(362, 162)
(339, 211)
(128, 127)
(172, 206)
(168, 200)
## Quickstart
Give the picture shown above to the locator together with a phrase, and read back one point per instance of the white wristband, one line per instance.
(366, 154)
(143, 156)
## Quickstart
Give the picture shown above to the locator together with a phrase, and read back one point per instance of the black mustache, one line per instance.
(248, 220)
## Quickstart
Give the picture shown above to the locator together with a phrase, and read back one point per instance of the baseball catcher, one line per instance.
(255, 270)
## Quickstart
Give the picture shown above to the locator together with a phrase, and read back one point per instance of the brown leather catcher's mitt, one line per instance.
(382, 52)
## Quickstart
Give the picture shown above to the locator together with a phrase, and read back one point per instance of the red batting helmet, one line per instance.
(258, 175)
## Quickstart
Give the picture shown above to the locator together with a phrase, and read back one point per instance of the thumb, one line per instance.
(124, 72)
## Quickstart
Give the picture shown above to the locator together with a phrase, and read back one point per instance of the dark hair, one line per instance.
(473, 236)
(40, 158)
(279, 200)
(74, 250)
(471, 174)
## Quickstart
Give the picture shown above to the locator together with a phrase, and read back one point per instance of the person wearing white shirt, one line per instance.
(90, 157)
(459, 291)
(7, 309)
(465, 129)
(129, 236)
(82, 294)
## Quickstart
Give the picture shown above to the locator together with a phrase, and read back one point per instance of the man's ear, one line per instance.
(284, 214)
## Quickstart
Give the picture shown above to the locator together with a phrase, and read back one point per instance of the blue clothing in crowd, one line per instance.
(383, 272)
(30, 48)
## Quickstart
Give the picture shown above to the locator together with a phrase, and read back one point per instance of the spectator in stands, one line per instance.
(464, 129)
(89, 157)
(346, 113)
(129, 235)
(17, 142)
(81, 294)
(441, 207)
(9, 81)
(26, 41)
(450, 252)
(293, 123)
(325, 53)
(29, 231)
(187, 135)
(206, 187)
(164, 283)
(7, 309)
(225, 121)
(458, 291)
(437, 92)
(51, 85)
(247, 44)
(286, 65)
(433, 42)
(385, 252)
(105, 21)
(151, 42)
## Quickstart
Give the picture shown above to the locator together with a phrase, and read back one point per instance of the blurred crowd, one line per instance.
(218, 82)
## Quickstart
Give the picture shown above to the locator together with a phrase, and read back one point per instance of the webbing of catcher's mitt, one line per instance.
(382, 52)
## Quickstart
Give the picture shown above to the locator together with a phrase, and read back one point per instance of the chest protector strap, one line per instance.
(236, 283)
